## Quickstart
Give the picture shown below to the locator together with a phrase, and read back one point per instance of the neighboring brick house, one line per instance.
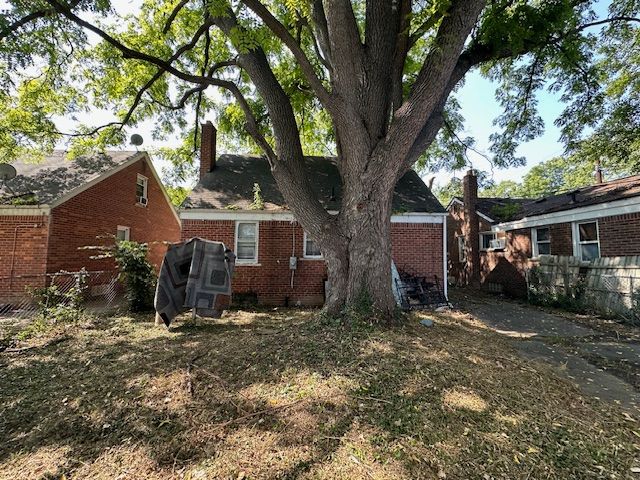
(54, 207)
(600, 220)
(220, 208)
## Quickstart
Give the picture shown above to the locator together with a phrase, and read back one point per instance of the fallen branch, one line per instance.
(50, 343)
(259, 412)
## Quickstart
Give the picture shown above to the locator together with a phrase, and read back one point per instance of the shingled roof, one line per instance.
(620, 189)
(231, 186)
(55, 176)
(500, 209)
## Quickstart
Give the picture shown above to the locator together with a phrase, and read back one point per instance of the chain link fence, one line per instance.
(587, 291)
(100, 290)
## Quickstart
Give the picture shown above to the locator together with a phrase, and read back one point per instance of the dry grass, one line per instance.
(278, 394)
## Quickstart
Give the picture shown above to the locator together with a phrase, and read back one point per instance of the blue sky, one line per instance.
(479, 108)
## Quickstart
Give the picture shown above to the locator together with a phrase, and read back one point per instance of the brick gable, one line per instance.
(98, 210)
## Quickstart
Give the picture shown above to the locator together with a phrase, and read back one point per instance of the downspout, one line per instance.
(293, 249)
(444, 257)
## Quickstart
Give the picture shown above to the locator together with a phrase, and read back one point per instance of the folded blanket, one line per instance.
(192, 275)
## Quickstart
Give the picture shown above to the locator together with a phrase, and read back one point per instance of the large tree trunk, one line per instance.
(359, 254)
(360, 274)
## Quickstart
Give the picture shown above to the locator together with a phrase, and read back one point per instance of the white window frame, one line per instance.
(462, 254)
(126, 230)
(535, 253)
(575, 233)
(245, 261)
(145, 185)
(494, 235)
(304, 249)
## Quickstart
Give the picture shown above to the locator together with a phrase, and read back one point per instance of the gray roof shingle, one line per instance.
(231, 185)
(55, 176)
(619, 189)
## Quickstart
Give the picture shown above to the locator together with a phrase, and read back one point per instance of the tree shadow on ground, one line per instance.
(280, 394)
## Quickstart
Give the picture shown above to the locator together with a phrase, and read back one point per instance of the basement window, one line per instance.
(311, 248)
(123, 233)
(247, 242)
(142, 184)
(540, 241)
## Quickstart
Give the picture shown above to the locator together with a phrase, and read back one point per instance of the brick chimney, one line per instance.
(598, 172)
(471, 228)
(207, 148)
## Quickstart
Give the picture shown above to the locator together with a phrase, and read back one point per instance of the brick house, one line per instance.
(221, 207)
(52, 208)
(600, 220)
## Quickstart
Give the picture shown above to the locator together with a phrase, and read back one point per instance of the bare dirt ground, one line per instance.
(282, 394)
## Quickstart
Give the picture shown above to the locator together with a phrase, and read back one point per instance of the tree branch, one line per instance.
(347, 51)
(427, 25)
(319, 20)
(433, 84)
(173, 15)
(283, 34)
(23, 21)
(30, 18)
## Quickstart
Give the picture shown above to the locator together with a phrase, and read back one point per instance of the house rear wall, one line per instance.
(416, 248)
(23, 254)
(99, 210)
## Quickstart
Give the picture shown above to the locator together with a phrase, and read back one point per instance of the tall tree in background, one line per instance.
(374, 78)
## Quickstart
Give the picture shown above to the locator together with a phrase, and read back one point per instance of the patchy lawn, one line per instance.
(279, 394)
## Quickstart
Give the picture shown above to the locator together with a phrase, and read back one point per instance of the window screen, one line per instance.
(247, 242)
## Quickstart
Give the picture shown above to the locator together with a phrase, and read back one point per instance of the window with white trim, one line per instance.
(462, 255)
(123, 233)
(247, 242)
(485, 240)
(311, 248)
(586, 241)
(142, 185)
(540, 241)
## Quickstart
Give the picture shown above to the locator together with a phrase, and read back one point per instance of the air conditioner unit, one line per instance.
(497, 244)
(142, 201)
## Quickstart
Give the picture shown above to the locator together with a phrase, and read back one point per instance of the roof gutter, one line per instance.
(24, 210)
(287, 216)
(590, 212)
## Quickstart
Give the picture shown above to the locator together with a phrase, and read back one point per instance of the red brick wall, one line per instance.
(502, 267)
(99, 210)
(25, 265)
(507, 268)
(561, 239)
(416, 248)
(455, 225)
(619, 235)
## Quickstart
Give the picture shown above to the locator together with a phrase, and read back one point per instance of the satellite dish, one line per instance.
(7, 172)
(136, 140)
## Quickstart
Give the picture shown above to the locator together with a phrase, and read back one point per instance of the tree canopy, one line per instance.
(556, 175)
(62, 58)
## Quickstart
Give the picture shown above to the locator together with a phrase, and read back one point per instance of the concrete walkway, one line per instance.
(537, 335)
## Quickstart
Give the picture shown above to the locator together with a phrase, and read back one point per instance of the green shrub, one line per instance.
(543, 291)
(136, 273)
(56, 307)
